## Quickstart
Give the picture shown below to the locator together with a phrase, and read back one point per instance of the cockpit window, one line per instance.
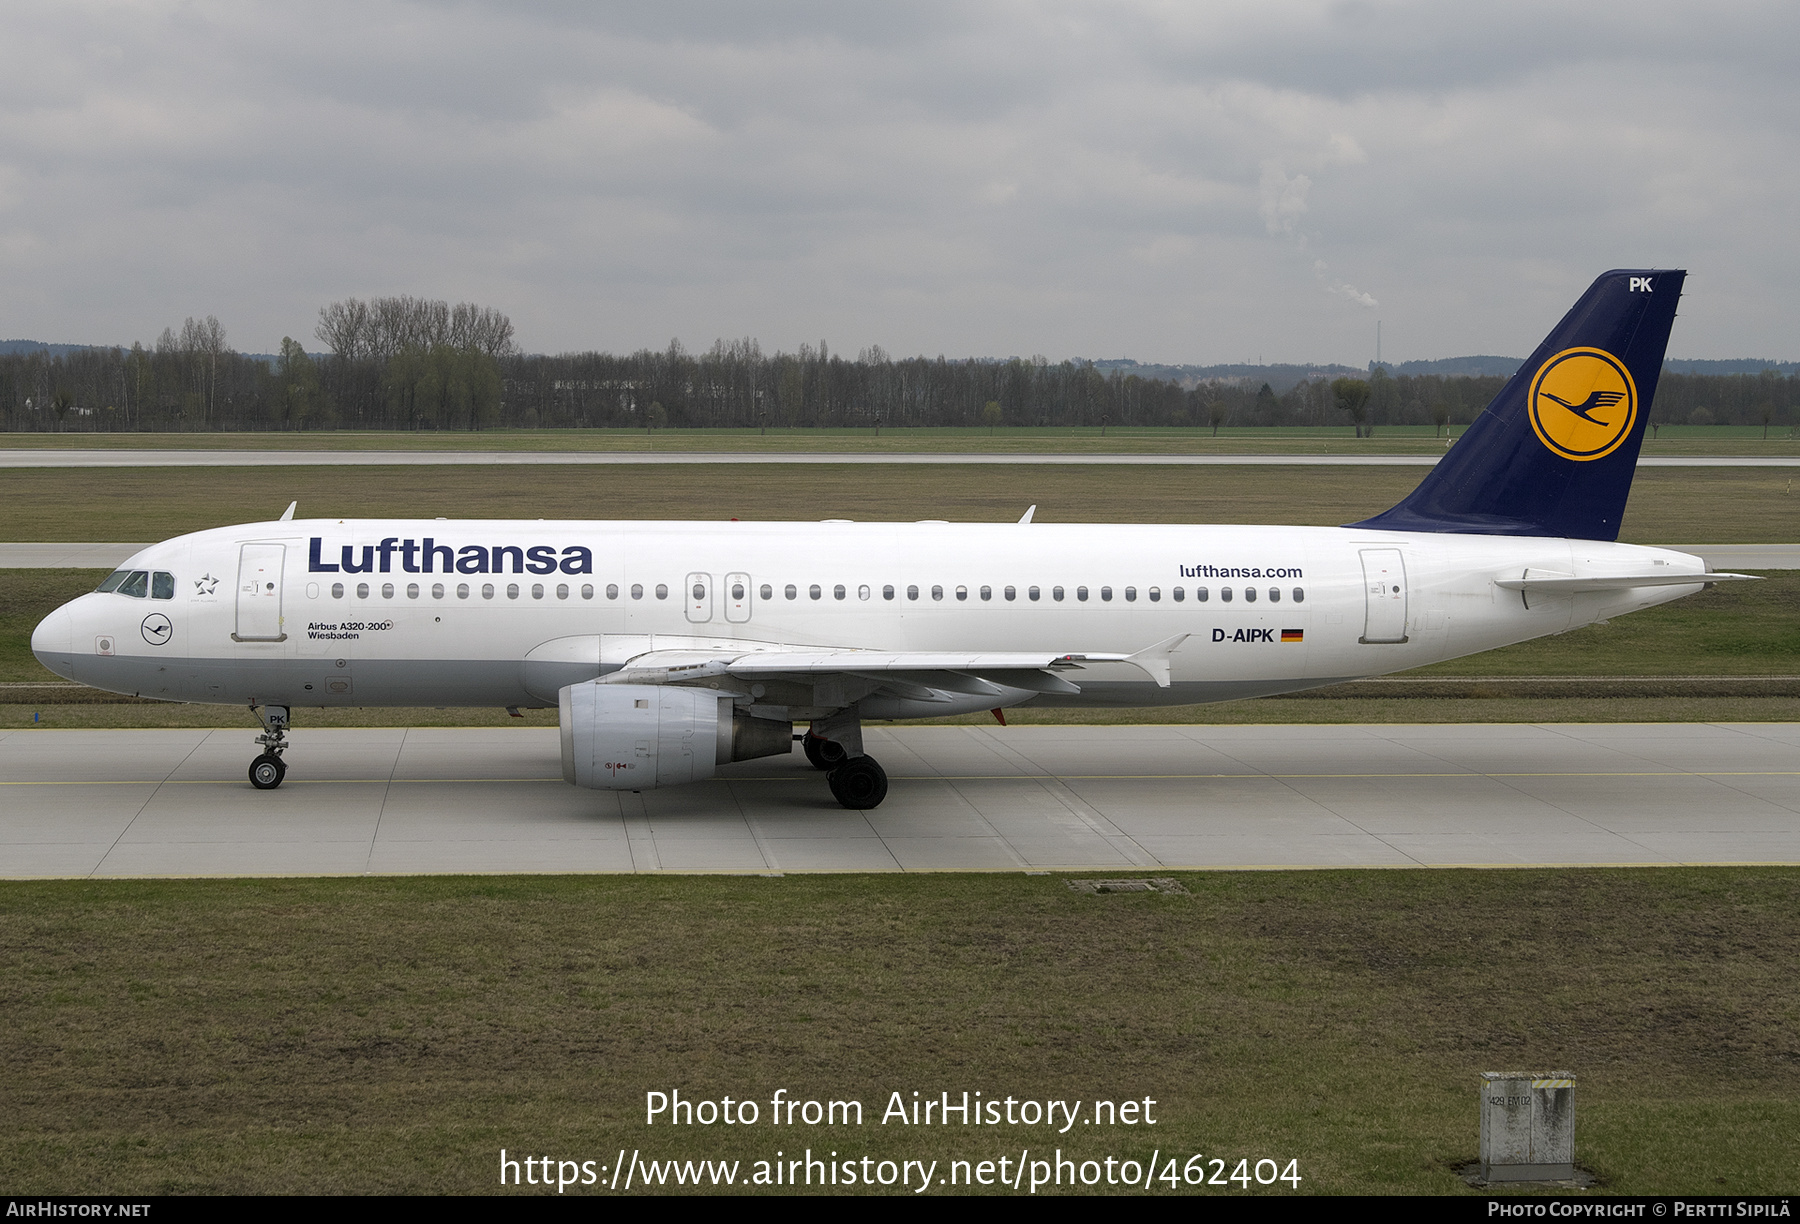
(162, 586)
(137, 585)
(112, 581)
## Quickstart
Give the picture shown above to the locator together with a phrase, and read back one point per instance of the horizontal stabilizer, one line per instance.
(1563, 584)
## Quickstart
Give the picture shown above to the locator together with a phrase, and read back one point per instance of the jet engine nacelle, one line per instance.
(640, 736)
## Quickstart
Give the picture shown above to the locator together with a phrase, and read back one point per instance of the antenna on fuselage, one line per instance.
(288, 514)
(1028, 514)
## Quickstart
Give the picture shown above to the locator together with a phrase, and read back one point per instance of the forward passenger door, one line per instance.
(259, 593)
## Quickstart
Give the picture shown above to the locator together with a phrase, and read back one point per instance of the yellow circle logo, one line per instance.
(1583, 403)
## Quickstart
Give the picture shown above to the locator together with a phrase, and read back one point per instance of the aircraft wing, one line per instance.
(925, 667)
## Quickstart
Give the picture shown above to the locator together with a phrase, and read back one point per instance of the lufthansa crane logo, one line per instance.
(1583, 403)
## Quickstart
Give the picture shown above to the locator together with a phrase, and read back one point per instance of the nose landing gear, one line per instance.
(267, 770)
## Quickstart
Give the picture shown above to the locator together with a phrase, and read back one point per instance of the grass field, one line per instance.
(1667, 506)
(394, 1034)
(1388, 439)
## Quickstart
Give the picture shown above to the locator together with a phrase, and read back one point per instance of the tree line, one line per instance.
(411, 364)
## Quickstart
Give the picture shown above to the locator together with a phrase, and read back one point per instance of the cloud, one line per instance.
(1283, 200)
(991, 177)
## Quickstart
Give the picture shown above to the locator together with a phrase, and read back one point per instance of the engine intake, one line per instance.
(640, 736)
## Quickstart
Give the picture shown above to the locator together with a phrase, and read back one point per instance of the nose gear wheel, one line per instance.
(267, 771)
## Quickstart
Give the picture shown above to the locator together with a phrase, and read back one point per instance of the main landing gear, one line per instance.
(857, 782)
(267, 770)
(823, 753)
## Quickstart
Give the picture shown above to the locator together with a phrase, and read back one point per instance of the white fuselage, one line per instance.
(419, 612)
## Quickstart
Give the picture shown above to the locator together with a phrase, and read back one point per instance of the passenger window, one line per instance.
(1131, 594)
(1224, 594)
(1081, 594)
(562, 590)
(111, 582)
(768, 592)
(136, 586)
(662, 590)
(587, 591)
(337, 590)
(162, 586)
(637, 590)
(1249, 594)
(1106, 593)
(1201, 595)
(387, 590)
(1299, 595)
(362, 590)
(699, 591)
(1056, 593)
(912, 592)
(412, 590)
(937, 592)
(537, 590)
(487, 590)
(791, 592)
(1179, 594)
(1155, 594)
(1010, 593)
(737, 590)
(837, 592)
(1031, 593)
(1274, 594)
(462, 590)
(987, 592)
(815, 592)
(862, 592)
(437, 590)
(887, 592)
(962, 593)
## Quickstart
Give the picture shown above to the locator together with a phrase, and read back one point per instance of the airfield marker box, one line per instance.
(1527, 1126)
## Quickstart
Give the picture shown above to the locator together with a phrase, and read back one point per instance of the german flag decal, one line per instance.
(1293, 635)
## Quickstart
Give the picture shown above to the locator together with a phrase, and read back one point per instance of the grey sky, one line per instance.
(1192, 182)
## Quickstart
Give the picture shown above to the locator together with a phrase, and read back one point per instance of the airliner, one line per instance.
(670, 649)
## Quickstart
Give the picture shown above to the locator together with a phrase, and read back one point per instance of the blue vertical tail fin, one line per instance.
(1554, 454)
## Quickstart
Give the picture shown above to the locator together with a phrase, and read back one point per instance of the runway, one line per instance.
(445, 458)
(1112, 799)
(102, 556)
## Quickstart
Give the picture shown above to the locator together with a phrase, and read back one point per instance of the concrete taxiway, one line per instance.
(1124, 799)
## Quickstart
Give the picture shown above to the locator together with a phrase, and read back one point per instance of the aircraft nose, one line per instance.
(52, 642)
